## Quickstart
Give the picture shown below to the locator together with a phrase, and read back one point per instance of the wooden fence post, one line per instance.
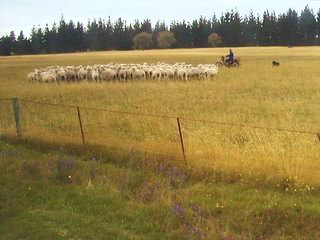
(17, 116)
(80, 123)
(181, 141)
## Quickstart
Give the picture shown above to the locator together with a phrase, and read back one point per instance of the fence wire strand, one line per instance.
(175, 117)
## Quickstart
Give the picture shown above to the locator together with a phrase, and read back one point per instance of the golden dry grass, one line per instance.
(255, 94)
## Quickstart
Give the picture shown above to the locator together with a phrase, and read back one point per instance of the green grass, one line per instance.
(38, 202)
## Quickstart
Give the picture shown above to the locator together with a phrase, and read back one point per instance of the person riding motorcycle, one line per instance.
(230, 57)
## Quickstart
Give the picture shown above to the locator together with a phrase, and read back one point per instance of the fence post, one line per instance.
(17, 117)
(181, 141)
(80, 123)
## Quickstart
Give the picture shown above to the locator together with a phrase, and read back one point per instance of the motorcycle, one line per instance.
(223, 62)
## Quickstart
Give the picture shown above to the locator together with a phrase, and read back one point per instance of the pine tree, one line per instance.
(80, 37)
(307, 26)
(146, 26)
(7, 45)
(37, 40)
(109, 35)
(119, 34)
(182, 33)
(62, 36)
(21, 46)
(250, 30)
(70, 38)
(288, 28)
(92, 36)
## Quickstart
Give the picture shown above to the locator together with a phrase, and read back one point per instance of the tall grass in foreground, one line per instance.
(255, 94)
(48, 193)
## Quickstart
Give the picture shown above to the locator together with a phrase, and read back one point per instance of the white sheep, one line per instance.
(108, 74)
(31, 77)
(61, 74)
(82, 74)
(138, 74)
(156, 74)
(95, 75)
(124, 72)
(211, 73)
(47, 77)
(182, 73)
(71, 75)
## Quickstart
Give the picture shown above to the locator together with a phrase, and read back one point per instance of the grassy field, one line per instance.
(129, 181)
(48, 194)
(255, 94)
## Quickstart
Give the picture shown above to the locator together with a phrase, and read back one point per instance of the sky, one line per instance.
(20, 15)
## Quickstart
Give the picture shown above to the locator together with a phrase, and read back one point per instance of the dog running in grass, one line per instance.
(275, 63)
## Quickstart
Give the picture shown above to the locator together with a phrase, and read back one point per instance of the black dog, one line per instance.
(275, 63)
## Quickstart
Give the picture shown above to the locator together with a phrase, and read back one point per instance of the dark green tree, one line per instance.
(92, 38)
(62, 36)
(288, 28)
(6, 45)
(250, 30)
(22, 44)
(118, 29)
(182, 33)
(37, 40)
(307, 26)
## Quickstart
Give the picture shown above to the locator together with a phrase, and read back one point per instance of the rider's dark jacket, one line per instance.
(230, 57)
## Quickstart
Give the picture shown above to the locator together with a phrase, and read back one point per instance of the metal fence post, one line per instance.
(17, 116)
(181, 141)
(80, 123)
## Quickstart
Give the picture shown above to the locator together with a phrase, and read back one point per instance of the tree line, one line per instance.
(229, 30)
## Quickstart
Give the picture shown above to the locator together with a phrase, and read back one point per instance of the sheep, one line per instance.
(71, 75)
(138, 74)
(31, 77)
(156, 74)
(182, 73)
(82, 74)
(108, 74)
(169, 73)
(195, 72)
(61, 74)
(95, 75)
(129, 74)
(124, 72)
(47, 77)
(148, 72)
(211, 72)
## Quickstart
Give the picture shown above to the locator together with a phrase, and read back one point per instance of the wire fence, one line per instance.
(234, 144)
(168, 117)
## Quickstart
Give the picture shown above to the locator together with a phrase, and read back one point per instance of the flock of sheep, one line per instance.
(122, 72)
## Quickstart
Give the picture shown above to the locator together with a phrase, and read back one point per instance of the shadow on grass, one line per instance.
(168, 165)
(123, 157)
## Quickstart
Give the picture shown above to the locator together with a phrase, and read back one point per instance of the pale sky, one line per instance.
(23, 14)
